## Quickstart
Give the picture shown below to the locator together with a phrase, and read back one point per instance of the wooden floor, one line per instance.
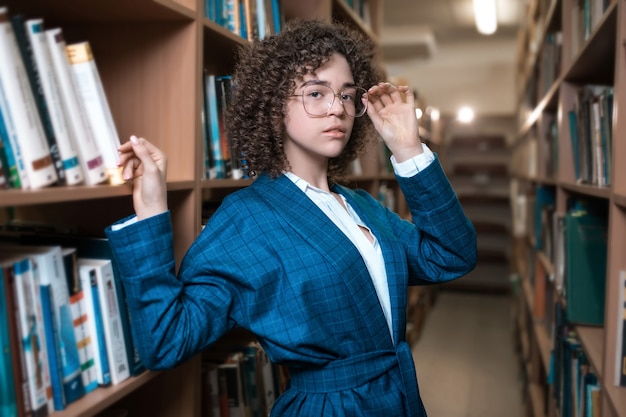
(465, 359)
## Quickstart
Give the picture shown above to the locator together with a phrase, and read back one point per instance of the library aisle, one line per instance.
(465, 358)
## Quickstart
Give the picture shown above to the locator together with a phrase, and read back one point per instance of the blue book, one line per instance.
(90, 287)
(52, 347)
(8, 401)
(6, 151)
(213, 120)
(575, 139)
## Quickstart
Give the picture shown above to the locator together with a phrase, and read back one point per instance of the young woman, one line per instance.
(316, 271)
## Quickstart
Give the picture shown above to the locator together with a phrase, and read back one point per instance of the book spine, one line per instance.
(8, 397)
(54, 354)
(620, 349)
(31, 343)
(69, 364)
(3, 178)
(89, 283)
(93, 97)
(90, 156)
(66, 146)
(113, 332)
(35, 152)
(34, 78)
(6, 154)
(84, 341)
(214, 129)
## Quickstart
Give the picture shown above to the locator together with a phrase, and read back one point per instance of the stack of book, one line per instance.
(64, 325)
(250, 19)
(56, 126)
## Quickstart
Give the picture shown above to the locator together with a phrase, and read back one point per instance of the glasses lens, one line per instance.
(318, 99)
(352, 99)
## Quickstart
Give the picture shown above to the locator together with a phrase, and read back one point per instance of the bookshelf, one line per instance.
(151, 55)
(561, 54)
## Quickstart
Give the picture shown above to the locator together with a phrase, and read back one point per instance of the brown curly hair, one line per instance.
(265, 76)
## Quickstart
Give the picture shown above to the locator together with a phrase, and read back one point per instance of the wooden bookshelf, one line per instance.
(151, 55)
(595, 58)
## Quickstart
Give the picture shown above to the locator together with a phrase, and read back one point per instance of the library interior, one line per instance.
(516, 98)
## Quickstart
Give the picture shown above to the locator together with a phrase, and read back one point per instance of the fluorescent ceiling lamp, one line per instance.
(485, 15)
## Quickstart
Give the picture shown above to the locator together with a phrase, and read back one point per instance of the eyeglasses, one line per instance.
(318, 99)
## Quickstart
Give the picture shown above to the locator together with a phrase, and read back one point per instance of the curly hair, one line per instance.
(265, 76)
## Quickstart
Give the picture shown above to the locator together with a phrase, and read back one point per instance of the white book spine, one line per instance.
(112, 322)
(87, 274)
(90, 156)
(32, 342)
(84, 341)
(67, 147)
(93, 97)
(34, 149)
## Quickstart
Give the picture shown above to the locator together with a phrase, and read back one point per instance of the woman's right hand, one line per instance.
(146, 166)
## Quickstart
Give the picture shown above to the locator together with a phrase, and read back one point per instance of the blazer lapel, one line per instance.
(321, 233)
(396, 280)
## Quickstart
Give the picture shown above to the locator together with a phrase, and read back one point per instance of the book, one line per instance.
(68, 152)
(586, 235)
(46, 268)
(23, 124)
(31, 342)
(8, 397)
(90, 157)
(66, 377)
(20, 377)
(620, 349)
(3, 179)
(25, 49)
(54, 354)
(86, 247)
(111, 319)
(232, 165)
(218, 168)
(230, 386)
(93, 98)
(78, 311)
(89, 283)
(7, 156)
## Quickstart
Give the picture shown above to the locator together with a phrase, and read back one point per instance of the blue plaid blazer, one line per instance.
(270, 261)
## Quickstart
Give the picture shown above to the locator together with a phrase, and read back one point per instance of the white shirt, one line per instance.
(350, 224)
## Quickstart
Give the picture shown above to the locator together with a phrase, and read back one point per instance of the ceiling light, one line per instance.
(485, 15)
(465, 115)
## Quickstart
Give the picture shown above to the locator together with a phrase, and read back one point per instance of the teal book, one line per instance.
(586, 236)
(8, 400)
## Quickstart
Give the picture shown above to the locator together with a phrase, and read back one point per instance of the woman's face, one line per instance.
(315, 139)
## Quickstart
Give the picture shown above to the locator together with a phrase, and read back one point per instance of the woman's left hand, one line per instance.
(392, 110)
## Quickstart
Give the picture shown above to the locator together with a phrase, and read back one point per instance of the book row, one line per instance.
(240, 381)
(575, 244)
(56, 127)
(250, 19)
(576, 388)
(64, 328)
(590, 122)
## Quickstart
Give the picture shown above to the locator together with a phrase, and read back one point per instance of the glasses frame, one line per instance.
(335, 95)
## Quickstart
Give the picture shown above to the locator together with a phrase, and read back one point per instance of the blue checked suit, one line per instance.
(270, 261)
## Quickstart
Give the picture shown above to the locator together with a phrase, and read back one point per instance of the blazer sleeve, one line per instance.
(170, 323)
(439, 245)
(444, 247)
